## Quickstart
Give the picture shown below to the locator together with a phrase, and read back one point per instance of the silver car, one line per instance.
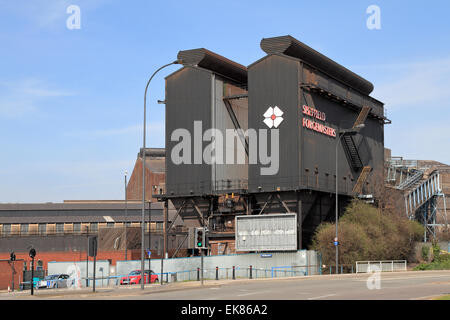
(54, 281)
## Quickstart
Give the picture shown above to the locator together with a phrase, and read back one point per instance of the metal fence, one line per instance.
(308, 259)
(234, 266)
(387, 265)
(239, 272)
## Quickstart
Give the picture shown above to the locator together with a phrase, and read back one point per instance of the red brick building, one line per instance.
(154, 175)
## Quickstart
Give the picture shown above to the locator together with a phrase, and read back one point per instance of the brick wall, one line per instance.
(6, 274)
(46, 257)
(134, 186)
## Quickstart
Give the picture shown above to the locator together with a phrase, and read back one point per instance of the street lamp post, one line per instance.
(340, 134)
(87, 257)
(143, 169)
(126, 217)
(336, 209)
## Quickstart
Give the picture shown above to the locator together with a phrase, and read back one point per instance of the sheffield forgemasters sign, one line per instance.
(266, 232)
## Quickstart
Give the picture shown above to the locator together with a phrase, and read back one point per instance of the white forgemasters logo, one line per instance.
(273, 117)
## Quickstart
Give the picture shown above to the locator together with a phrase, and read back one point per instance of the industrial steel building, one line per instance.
(287, 115)
(254, 154)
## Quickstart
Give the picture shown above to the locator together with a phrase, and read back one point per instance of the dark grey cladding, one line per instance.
(206, 59)
(292, 47)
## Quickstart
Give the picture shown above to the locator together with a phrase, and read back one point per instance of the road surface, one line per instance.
(391, 286)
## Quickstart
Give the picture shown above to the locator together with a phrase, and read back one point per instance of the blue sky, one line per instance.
(71, 101)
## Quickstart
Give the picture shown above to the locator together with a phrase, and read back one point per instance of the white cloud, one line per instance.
(413, 84)
(422, 141)
(417, 98)
(155, 128)
(22, 97)
(59, 180)
(47, 13)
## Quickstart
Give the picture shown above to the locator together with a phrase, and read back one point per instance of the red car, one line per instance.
(134, 277)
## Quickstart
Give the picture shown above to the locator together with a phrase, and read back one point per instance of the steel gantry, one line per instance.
(421, 203)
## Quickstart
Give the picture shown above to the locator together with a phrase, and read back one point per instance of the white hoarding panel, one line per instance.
(267, 232)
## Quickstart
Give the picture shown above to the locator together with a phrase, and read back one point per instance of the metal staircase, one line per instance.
(362, 179)
(421, 192)
(420, 202)
(421, 189)
(351, 150)
(362, 116)
(410, 180)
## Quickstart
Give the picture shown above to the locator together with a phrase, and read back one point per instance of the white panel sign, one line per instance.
(267, 232)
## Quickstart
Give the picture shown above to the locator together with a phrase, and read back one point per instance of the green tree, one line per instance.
(367, 233)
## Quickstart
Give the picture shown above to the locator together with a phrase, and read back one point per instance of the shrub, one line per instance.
(436, 252)
(425, 252)
(367, 233)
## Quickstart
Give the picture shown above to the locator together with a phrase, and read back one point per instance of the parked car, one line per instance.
(54, 281)
(134, 277)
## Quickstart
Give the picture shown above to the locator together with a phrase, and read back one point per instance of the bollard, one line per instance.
(217, 273)
(234, 275)
(198, 274)
(250, 272)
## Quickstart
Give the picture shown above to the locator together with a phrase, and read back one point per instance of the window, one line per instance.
(77, 227)
(110, 224)
(24, 228)
(159, 226)
(60, 228)
(6, 229)
(42, 228)
(94, 226)
(40, 265)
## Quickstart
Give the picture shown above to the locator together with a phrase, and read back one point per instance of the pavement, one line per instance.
(388, 286)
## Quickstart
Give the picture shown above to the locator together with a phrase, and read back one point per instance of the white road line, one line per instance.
(404, 278)
(320, 297)
(250, 293)
(426, 297)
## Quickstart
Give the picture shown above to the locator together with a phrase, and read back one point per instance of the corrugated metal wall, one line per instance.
(225, 175)
(307, 157)
(308, 260)
(188, 99)
(273, 81)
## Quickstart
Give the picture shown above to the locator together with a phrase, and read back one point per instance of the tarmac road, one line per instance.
(392, 286)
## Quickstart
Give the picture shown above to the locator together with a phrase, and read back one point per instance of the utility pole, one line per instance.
(87, 257)
(13, 258)
(149, 236)
(336, 240)
(143, 168)
(165, 240)
(13, 272)
(126, 216)
(32, 254)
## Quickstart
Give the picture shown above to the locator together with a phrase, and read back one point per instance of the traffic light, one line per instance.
(32, 253)
(199, 238)
(92, 246)
(13, 256)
